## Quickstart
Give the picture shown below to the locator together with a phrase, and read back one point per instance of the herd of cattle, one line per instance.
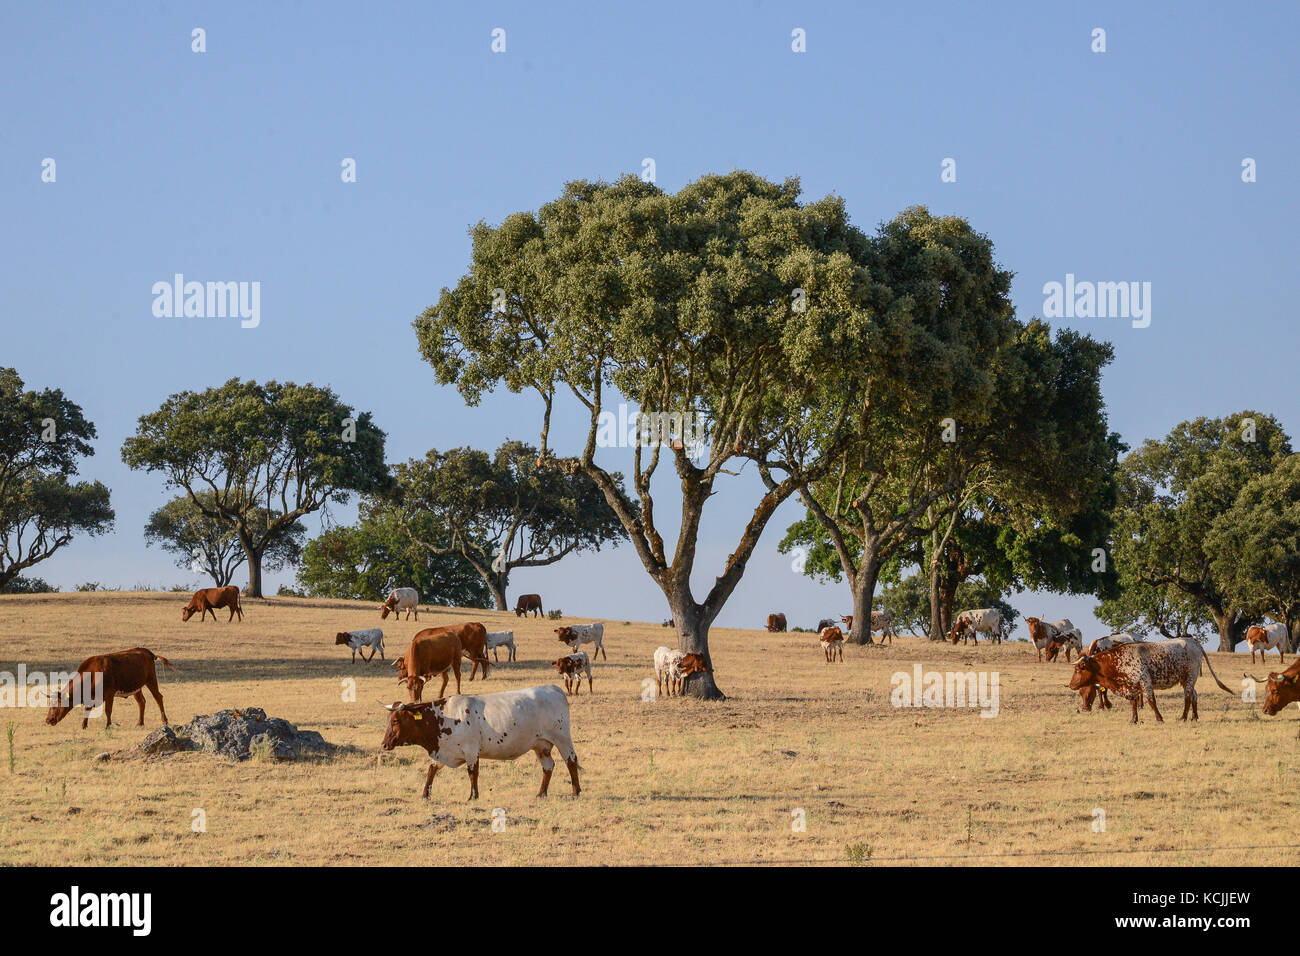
(461, 730)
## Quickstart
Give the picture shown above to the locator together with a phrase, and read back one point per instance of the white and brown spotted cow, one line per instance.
(968, 624)
(1138, 670)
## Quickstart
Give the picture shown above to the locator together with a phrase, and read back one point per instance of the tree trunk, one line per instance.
(497, 585)
(937, 632)
(254, 573)
(947, 598)
(693, 638)
(864, 596)
(1232, 630)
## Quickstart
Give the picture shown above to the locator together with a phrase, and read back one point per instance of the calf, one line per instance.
(398, 600)
(460, 730)
(528, 602)
(1268, 637)
(206, 600)
(575, 635)
(496, 639)
(691, 664)
(1042, 633)
(832, 641)
(371, 637)
(1138, 670)
(668, 673)
(120, 674)
(1280, 689)
(571, 668)
(1071, 639)
(776, 622)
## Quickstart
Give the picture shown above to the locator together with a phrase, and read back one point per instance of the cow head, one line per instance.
(1086, 671)
(847, 620)
(958, 629)
(565, 665)
(342, 637)
(383, 611)
(60, 706)
(82, 691)
(421, 724)
(565, 634)
(1279, 690)
(1053, 648)
(692, 664)
(187, 612)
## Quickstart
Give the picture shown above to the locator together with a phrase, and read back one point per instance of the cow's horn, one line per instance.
(389, 707)
(1257, 680)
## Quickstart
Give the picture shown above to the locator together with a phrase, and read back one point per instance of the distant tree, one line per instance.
(1172, 492)
(1255, 545)
(25, 585)
(211, 546)
(42, 437)
(908, 600)
(364, 561)
(266, 454)
(501, 512)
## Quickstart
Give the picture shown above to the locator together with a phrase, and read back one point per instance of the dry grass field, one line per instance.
(665, 782)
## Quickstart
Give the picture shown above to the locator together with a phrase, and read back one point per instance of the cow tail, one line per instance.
(1216, 676)
(164, 661)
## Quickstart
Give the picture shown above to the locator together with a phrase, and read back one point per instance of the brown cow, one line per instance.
(1135, 671)
(120, 674)
(1280, 689)
(207, 600)
(431, 654)
(832, 641)
(691, 664)
(528, 602)
(776, 622)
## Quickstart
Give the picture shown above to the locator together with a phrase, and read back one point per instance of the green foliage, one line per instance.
(23, 584)
(365, 561)
(43, 436)
(688, 302)
(1177, 510)
(209, 545)
(500, 512)
(267, 454)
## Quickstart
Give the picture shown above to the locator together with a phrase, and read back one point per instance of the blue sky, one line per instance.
(225, 165)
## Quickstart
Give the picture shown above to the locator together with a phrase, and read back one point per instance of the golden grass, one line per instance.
(666, 782)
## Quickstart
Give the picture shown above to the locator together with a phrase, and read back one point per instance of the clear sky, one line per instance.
(1123, 165)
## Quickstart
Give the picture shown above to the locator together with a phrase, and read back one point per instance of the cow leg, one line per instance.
(473, 780)
(548, 766)
(590, 689)
(603, 655)
(442, 691)
(428, 780)
(152, 684)
(85, 718)
(1136, 701)
(108, 707)
(1151, 699)
(571, 761)
(139, 699)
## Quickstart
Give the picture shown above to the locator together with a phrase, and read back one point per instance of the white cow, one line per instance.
(668, 673)
(1269, 637)
(883, 621)
(371, 637)
(401, 599)
(968, 624)
(497, 639)
(575, 635)
(500, 726)
(1110, 640)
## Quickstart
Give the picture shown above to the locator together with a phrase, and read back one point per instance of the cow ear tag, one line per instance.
(418, 716)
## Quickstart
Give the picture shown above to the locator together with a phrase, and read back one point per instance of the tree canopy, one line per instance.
(728, 300)
(43, 437)
(366, 560)
(211, 546)
(502, 511)
(260, 456)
